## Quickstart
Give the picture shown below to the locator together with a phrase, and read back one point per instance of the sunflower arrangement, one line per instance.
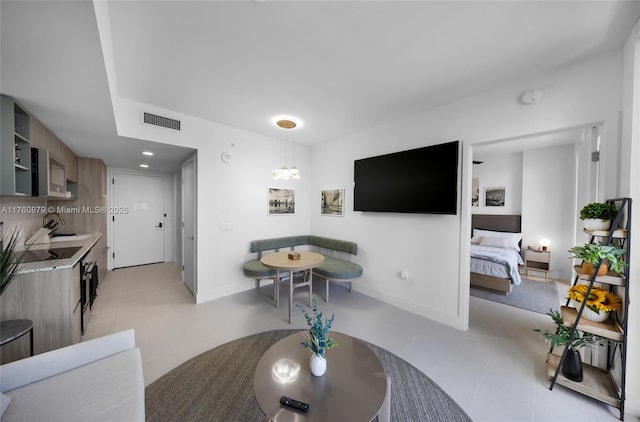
(598, 300)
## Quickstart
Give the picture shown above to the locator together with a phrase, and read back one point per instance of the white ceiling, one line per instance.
(340, 66)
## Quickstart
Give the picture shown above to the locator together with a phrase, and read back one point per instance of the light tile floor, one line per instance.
(496, 370)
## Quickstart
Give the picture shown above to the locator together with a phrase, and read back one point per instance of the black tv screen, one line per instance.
(422, 180)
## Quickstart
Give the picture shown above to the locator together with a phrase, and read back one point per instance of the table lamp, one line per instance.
(544, 242)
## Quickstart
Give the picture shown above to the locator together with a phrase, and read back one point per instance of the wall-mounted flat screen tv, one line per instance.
(422, 180)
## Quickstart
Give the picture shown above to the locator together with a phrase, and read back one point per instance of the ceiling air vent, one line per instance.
(154, 119)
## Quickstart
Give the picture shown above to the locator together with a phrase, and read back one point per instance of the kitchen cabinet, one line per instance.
(48, 292)
(91, 195)
(21, 132)
(51, 300)
(15, 149)
(43, 138)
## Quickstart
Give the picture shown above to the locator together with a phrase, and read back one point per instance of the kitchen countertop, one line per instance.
(52, 264)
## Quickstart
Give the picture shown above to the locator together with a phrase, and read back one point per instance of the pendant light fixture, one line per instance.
(287, 150)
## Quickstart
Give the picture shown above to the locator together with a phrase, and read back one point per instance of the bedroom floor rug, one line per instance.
(217, 385)
(536, 296)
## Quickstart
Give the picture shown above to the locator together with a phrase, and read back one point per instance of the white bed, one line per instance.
(495, 252)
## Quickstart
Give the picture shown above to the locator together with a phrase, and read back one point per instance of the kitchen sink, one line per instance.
(34, 255)
(68, 237)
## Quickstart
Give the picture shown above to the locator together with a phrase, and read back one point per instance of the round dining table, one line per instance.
(304, 263)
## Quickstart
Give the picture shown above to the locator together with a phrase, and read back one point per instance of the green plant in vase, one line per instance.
(593, 253)
(572, 367)
(598, 215)
(317, 338)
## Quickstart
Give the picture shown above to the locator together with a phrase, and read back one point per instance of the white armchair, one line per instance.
(98, 379)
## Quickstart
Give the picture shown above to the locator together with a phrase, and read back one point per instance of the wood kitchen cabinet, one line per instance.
(51, 300)
(15, 149)
(45, 139)
(92, 195)
(20, 132)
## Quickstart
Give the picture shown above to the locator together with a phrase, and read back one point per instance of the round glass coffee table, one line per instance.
(352, 389)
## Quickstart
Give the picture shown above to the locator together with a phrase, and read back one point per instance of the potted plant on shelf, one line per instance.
(572, 366)
(598, 215)
(592, 253)
(317, 338)
(9, 259)
(598, 304)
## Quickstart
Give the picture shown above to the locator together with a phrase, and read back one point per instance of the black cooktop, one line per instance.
(49, 254)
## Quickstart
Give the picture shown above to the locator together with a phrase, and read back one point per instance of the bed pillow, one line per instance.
(497, 242)
(513, 238)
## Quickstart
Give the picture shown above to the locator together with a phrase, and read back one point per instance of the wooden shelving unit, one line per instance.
(610, 329)
(599, 383)
(611, 278)
(15, 149)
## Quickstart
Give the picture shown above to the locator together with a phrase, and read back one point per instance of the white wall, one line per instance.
(235, 193)
(430, 247)
(540, 186)
(548, 202)
(229, 194)
(503, 170)
(629, 176)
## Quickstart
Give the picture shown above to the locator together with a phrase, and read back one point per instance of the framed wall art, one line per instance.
(282, 201)
(494, 197)
(475, 192)
(332, 202)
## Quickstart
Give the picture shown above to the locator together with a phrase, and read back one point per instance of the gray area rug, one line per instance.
(536, 296)
(218, 386)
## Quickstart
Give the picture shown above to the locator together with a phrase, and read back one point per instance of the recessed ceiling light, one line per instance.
(144, 166)
(147, 153)
(297, 123)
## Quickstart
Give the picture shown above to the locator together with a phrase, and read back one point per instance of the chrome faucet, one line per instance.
(50, 224)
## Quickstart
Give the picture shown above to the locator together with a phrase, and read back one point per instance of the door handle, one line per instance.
(159, 225)
(191, 238)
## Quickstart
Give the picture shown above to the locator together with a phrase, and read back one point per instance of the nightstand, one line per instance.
(537, 261)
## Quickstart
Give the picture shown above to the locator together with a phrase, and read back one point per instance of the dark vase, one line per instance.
(572, 366)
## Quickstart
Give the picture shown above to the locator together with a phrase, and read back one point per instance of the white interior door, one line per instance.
(138, 219)
(189, 225)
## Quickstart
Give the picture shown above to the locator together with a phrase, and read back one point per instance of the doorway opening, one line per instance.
(556, 174)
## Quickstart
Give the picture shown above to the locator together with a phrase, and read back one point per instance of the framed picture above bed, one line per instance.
(494, 197)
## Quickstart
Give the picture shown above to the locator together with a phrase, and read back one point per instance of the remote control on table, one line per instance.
(298, 405)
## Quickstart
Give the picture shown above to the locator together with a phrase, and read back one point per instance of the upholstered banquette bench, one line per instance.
(336, 266)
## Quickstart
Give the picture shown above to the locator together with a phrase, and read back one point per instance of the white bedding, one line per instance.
(496, 262)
